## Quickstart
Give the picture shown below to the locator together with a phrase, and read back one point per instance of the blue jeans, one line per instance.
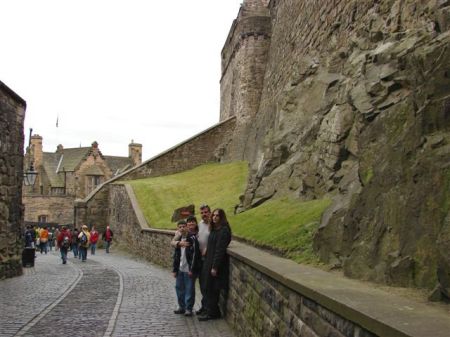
(43, 247)
(93, 246)
(185, 290)
(83, 253)
(75, 250)
(64, 254)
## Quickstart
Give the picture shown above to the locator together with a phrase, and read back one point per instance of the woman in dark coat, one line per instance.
(216, 265)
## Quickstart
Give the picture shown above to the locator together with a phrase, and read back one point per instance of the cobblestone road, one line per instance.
(109, 295)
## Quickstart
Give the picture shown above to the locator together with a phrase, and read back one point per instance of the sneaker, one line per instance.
(188, 313)
(179, 311)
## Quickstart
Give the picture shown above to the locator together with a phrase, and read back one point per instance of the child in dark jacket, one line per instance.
(186, 266)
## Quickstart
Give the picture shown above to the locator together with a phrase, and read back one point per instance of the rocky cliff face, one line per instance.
(355, 106)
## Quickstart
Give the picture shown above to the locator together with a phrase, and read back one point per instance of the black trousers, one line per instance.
(202, 284)
(212, 296)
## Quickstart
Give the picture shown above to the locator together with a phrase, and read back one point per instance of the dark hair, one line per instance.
(222, 218)
(181, 222)
(191, 218)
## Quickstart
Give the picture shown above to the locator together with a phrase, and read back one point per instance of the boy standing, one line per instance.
(186, 264)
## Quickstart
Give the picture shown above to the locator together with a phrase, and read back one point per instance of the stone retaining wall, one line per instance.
(12, 114)
(131, 229)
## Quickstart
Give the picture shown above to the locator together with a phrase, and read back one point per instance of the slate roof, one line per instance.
(118, 164)
(73, 157)
(50, 164)
(55, 163)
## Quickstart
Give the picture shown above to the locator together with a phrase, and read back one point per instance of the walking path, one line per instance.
(109, 295)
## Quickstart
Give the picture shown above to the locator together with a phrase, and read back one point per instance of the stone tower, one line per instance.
(244, 59)
(135, 152)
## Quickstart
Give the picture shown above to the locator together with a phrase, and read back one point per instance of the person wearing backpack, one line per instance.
(64, 240)
(83, 239)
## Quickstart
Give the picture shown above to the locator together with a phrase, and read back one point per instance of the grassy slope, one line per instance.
(285, 224)
(219, 185)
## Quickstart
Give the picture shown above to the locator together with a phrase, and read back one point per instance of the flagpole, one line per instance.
(57, 129)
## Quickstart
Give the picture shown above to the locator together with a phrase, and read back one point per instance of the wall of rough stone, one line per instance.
(355, 107)
(95, 211)
(57, 209)
(12, 114)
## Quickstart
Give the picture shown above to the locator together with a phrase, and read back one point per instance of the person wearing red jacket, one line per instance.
(93, 239)
(64, 240)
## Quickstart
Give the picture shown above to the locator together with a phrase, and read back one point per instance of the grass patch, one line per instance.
(285, 225)
(219, 185)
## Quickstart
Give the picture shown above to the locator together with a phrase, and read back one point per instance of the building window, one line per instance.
(93, 182)
(42, 218)
(57, 190)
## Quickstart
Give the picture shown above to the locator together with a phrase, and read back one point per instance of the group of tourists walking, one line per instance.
(41, 239)
(200, 253)
(67, 240)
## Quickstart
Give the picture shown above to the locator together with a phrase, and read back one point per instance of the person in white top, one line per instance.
(203, 234)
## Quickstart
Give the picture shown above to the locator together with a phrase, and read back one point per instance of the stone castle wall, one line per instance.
(12, 114)
(57, 209)
(354, 106)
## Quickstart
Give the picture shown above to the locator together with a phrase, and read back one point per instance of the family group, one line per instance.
(200, 253)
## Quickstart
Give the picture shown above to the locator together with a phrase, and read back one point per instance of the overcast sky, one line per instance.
(113, 71)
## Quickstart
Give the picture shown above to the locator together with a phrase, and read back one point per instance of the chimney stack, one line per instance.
(135, 152)
(36, 150)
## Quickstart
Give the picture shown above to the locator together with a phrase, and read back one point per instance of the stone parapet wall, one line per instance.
(202, 148)
(260, 306)
(58, 209)
(12, 114)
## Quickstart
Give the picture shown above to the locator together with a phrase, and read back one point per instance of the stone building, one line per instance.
(66, 175)
(12, 114)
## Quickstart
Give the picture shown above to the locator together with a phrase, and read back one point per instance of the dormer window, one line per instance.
(93, 182)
